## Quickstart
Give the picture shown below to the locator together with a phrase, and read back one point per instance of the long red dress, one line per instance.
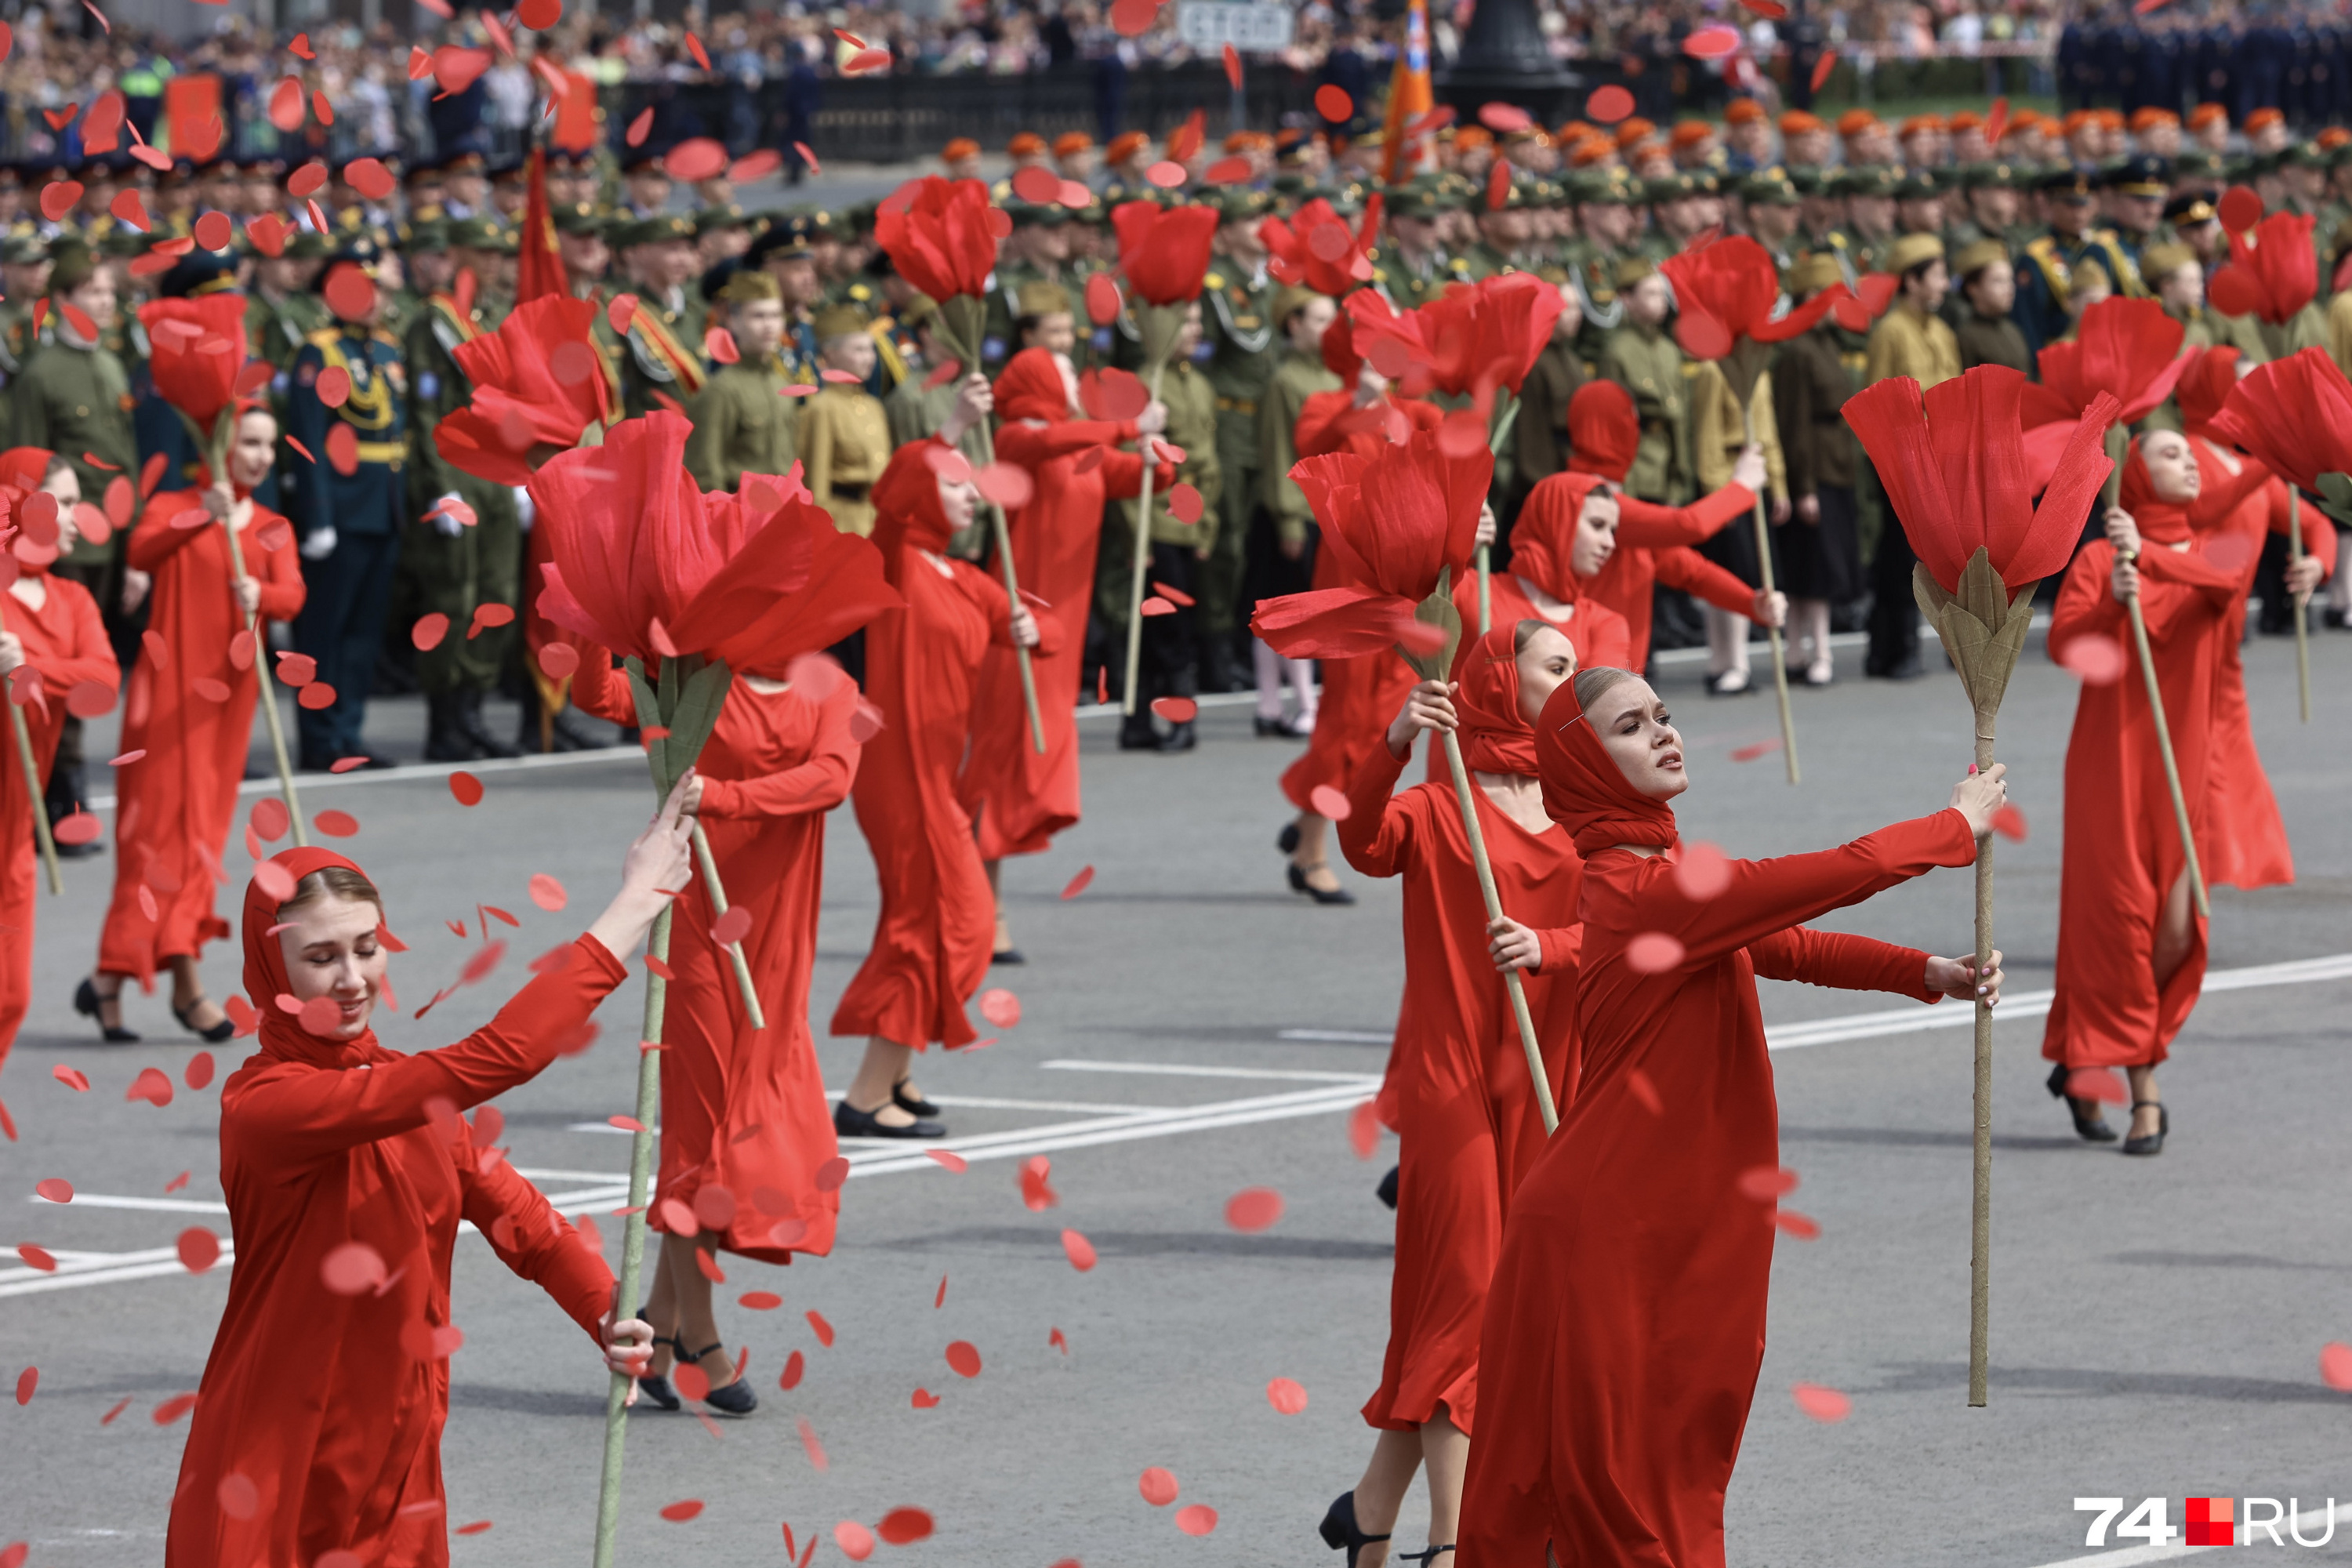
(2245, 843)
(1359, 695)
(174, 807)
(2122, 853)
(1019, 797)
(65, 644)
(1629, 1301)
(1458, 1090)
(1540, 544)
(933, 935)
(745, 1110)
(318, 1425)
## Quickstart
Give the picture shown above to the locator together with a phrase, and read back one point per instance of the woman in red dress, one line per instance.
(1359, 694)
(1628, 1305)
(347, 1168)
(744, 1126)
(2131, 946)
(176, 806)
(1458, 1091)
(1019, 797)
(931, 939)
(1565, 534)
(50, 626)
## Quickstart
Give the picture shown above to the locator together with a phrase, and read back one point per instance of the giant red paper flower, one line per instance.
(1488, 335)
(1727, 291)
(197, 348)
(2272, 271)
(648, 565)
(2293, 414)
(1953, 467)
(1391, 524)
(2128, 350)
(535, 383)
(941, 235)
(1314, 247)
(1164, 251)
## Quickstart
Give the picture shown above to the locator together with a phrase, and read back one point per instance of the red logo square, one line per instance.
(2209, 1523)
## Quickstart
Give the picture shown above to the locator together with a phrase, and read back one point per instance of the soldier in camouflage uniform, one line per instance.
(1237, 325)
(1415, 269)
(665, 333)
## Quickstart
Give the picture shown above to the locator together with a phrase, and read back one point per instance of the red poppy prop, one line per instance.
(1164, 253)
(648, 565)
(537, 384)
(196, 352)
(1955, 470)
(2271, 274)
(941, 235)
(2128, 350)
(1315, 248)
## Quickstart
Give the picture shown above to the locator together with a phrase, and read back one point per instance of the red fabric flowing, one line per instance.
(325, 1143)
(1457, 1088)
(1955, 469)
(2245, 843)
(196, 348)
(939, 236)
(2272, 271)
(2122, 852)
(1604, 433)
(1163, 251)
(65, 644)
(1629, 1299)
(536, 381)
(175, 807)
(936, 928)
(744, 1108)
(1019, 798)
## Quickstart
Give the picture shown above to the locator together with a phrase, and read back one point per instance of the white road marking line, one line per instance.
(159, 1205)
(1174, 1070)
(410, 772)
(2129, 1556)
(1338, 1037)
(1275, 1107)
(76, 1270)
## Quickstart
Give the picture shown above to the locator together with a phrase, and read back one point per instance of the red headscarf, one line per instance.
(1495, 738)
(1585, 791)
(2205, 385)
(2159, 522)
(1031, 387)
(907, 505)
(1542, 538)
(1604, 432)
(282, 1034)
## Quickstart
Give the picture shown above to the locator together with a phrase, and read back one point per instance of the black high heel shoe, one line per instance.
(1299, 884)
(654, 1388)
(87, 1002)
(211, 1036)
(915, 1106)
(2153, 1142)
(849, 1122)
(2089, 1124)
(736, 1398)
(1424, 1558)
(1339, 1529)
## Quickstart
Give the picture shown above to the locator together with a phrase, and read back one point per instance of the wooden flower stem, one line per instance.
(2301, 601)
(2163, 747)
(1771, 632)
(34, 793)
(1511, 981)
(1142, 568)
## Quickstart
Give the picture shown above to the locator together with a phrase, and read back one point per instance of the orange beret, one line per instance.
(1572, 133)
(1473, 136)
(1743, 112)
(1026, 145)
(1800, 122)
(2075, 120)
(1966, 120)
(1691, 132)
(2022, 120)
(2205, 114)
(1632, 131)
(1854, 122)
(962, 147)
(1590, 150)
(2263, 119)
(2332, 138)
(1070, 141)
(2144, 120)
(1126, 145)
(2108, 118)
(1923, 125)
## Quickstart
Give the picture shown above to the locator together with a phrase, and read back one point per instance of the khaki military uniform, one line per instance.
(1177, 548)
(845, 444)
(1296, 378)
(1236, 321)
(742, 424)
(1907, 343)
(1646, 362)
(1990, 339)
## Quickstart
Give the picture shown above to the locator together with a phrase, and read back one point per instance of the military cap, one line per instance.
(484, 234)
(787, 234)
(307, 244)
(1417, 199)
(1992, 174)
(1631, 270)
(1808, 179)
(579, 218)
(1768, 188)
(2065, 180)
(1609, 187)
(1917, 186)
(2159, 260)
(745, 284)
(1873, 179)
(1912, 250)
(842, 322)
(199, 272)
(464, 161)
(1041, 299)
(1974, 258)
(2307, 155)
(644, 161)
(23, 250)
(1815, 271)
(73, 265)
(725, 216)
(2141, 174)
(427, 237)
(645, 231)
(1241, 204)
(2190, 209)
(1668, 188)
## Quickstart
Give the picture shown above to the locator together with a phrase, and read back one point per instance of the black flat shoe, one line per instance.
(915, 1106)
(213, 1035)
(1339, 1529)
(1299, 884)
(736, 1398)
(2089, 1125)
(849, 1122)
(2153, 1142)
(1287, 839)
(1137, 733)
(1387, 1191)
(1179, 738)
(1007, 955)
(87, 1002)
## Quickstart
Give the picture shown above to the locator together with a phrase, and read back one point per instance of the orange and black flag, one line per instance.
(1408, 96)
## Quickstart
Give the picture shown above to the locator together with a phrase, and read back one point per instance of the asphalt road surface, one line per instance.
(1189, 1028)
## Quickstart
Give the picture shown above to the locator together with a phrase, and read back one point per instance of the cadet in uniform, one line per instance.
(1415, 268)
(1641, 356)
(448, 565)
(665, 333)
(844, 440)
(2045, 268)
(347, 525)
(1236, 323)
(742, 424)
(1982, 326)
(1909, 339)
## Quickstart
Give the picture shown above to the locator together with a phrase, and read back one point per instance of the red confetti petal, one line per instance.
(2096, 660)
(199, 1073)
(1158, 1487)
(150, 1085)
(466, 787)
(80, 827)
(731, 927)
(539, 15)
(820, 1328)
(963, 1358)
(2335, 1365)
(548, 893)
(831, 1174)
(56, 1189)
(1333, 104)
(2103, 1084)
(679, 1512)
(857, 1541)
(36, 1257)
(1253, 1208)
(1820, 1402)
(1196, 1520)
(352, 1267)
(199, 1249)
(949, 1159)
(1364, 1129)
(1287, 1397)
(1329, 803)
(336, 824)
(1176, 709)
(759, 1300)
(1804, 1228)
(1000, 1007)
(1079, 883)
(172, 1410)
(904, 1526)
(1652, 952)
(26, 1381)
(1766, 1184)
(1502, 119)
(1102, 299)
(925, 1399)
(794, 1364)
(1703, 871)
(1822, 67)
(1081, 1251)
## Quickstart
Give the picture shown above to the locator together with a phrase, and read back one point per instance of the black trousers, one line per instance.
(341, 625)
